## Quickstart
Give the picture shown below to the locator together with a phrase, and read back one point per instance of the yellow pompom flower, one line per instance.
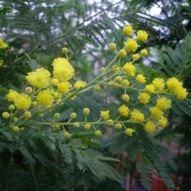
(162, 122)
(118, 126)
(163, 103)
(129, 69)
(140, 78)
(129, 132)
(144, 52)
(125, 82)
(150, 127)
(180, 93)
(159, 84)
(112, 46)
(142, 35)
(39, 78)
(45, 98)
(123, 110)
(156, 112)
(122, 53)
(110, 122)
(87, 126)
(125, 97)
(137, 116)
(64, 87)
(23, 101)
(131, 45)
(79, 84)
(54, 81)
(144, 98)
(11, 107)
(62, 69)
(150, 88)
(173, 83)
(104, 114)
(76, 124)
(73, 115)
(67, 135)
(118, 79)
(86, 111)
(27, 114)
(12, 95)
(5, 115)
(98, 133)
(15, 129)
(128, 30)
(136, 56)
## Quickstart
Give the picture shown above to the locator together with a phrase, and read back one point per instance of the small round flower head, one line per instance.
(39, 78)
(129, 69)
(23, 101)
(118, 79)
(137, 116)
(180, 93)
(98, 133)
(67, 135)
(62, 69)
(97, 88)
(116, 68)
(149, 88)
(79, 84)
(56, 127)
(144, 98)
(105, 114)
(12, 95)
(122, 53)
(87, 126)
(142, 35)
(5, 115)
(27, 114)
(56, 115)
(110, 122)
(163, 103)
(144, 52)
(15, 129)
(150, 127)
(131, 45)
(128, 30)
(129, 132)
(123, 110)
(45, 98)
(64, 87)
(28, 90)
(162, 122)
(11, 107)
(136, 56)
(125, 97)
(159, 84)
(73, 115)
(118, 126)
(54, 81)
(112, 46)
(76, 124)
(86, 111)
(64, 50)
(15, 119)
(102, 69)
(173, 83)
(125, 83)
(140, 78)
(156, 112)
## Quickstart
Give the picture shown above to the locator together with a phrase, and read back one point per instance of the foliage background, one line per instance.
(37, 30)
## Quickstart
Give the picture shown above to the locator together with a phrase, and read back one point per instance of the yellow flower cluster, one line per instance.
(143, 101)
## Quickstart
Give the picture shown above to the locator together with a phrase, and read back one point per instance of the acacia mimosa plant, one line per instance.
(41, 138)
